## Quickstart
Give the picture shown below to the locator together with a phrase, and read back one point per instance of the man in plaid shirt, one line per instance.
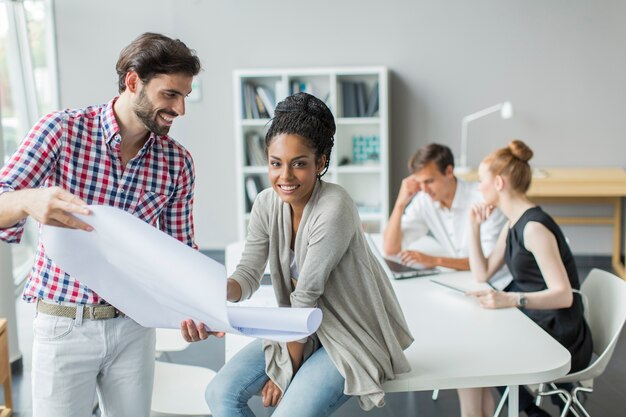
(116, 154)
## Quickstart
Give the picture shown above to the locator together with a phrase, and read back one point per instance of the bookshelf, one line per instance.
(358, 98)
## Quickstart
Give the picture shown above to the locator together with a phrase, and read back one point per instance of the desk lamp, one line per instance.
(506, 112)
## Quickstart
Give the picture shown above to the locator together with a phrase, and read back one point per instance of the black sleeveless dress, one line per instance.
(566, 325)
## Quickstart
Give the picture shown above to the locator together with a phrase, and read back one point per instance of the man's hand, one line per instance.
(409, 257)
(494, 299)
(271, 394)
(54, 206)
(409, 187)
(194, 332)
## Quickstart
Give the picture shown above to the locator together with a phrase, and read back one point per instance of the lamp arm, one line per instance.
(482, 113)
(465, 122)
(463, 158)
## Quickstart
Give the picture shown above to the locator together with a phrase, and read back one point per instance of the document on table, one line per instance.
(158, 281)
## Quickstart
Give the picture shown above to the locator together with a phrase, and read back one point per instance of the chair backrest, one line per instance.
(606, 314)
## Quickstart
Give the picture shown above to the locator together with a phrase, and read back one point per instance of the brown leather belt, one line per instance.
(96, 312)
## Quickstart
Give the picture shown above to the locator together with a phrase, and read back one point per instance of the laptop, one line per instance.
(395, 269)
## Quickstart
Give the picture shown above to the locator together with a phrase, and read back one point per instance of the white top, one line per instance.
(293, 266)
(450, 227)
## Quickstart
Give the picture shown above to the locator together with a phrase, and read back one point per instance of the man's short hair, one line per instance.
(152, 54)
(441, 155)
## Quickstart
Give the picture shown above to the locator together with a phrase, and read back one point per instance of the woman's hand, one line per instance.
(233, 290)
(271, 394)
(494, 299)
(409, 257)
(194, 332)
(480, 212)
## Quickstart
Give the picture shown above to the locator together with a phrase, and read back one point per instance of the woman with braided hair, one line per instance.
(311, 233)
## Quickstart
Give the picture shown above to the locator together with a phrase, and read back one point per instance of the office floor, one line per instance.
(608, 399)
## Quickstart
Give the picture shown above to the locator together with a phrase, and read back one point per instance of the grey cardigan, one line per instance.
(363, 329)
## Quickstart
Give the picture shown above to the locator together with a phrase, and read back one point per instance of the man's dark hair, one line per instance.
(441, 155)
(152, 54)
(308, 117)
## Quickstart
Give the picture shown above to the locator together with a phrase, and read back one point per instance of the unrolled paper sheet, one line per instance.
(158, 281)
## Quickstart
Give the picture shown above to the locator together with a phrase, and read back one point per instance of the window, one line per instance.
(28, 90)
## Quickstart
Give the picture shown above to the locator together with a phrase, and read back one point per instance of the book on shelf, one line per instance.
(255, 149)
(253, 103)
(247, 107)
(263, 114)
(254, 185)
(267, 99)
(258, 101)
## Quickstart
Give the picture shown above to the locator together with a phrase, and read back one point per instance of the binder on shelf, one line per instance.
(373, 102)
(360, 99)
(349, 100)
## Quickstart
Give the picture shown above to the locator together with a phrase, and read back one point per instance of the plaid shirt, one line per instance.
(79, 151)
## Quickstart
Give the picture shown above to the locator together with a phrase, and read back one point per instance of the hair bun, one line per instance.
(520, 150)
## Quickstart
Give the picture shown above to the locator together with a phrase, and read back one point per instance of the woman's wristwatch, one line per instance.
(522, 300)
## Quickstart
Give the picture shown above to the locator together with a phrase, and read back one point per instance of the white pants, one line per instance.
(73, 358)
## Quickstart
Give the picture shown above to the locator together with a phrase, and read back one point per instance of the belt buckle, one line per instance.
(94, 314)
(99, 312)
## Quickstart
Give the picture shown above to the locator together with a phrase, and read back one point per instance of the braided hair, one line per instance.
(308, 117)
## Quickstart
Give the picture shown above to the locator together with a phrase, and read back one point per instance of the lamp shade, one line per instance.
(506, 112)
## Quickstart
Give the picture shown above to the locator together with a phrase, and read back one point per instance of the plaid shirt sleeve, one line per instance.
(177, 217)
(31, 164)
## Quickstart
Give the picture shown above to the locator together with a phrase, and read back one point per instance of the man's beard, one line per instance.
(145, 111)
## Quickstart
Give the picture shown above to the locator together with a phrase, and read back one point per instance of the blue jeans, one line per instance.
(316, 390)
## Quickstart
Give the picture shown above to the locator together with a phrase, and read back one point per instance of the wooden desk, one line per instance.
(5, 369)
(584, 186)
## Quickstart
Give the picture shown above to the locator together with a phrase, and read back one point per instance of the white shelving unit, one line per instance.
(364, 175)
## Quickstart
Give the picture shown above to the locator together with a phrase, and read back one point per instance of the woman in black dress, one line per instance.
(539, 258)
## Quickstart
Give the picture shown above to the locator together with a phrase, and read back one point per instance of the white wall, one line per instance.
(560, 62)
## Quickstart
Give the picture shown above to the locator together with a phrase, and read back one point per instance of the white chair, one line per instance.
(604, 295)
(169, 340)
(178, 389)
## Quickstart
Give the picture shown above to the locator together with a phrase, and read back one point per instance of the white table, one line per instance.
(458, 344)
